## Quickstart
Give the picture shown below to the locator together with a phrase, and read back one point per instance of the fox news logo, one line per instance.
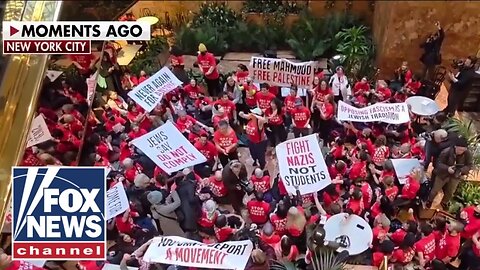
(58, 213)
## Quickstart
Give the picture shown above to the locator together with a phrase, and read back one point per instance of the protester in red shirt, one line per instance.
(217, 187)
(250, 92)
(208, 217)
(404, 253)
(413, 86)
(241, 74)
(412, 186)
(300, 119)
(386, 248)
(470, 216)
(286, 250)
(84, 63)
(226, 142)
(136, 132)
(362, 87)
(355, 204)
(383, 92)
(425, 247)
(264, 97)
(258, 209)
(228, 106)
(279, 219)
(208, 67)
(398, 236)
(260, 181)
(192, 90)
(132, 169)
(276, 131)
(223, 232)
(449, 245)
(207, 148)
(289, 101)
(327, 110)
(269, 236)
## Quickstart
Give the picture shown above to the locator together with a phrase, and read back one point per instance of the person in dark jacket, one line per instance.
(454, 163)
(431, 56)
(440, 139)
(460, 84)
(188, 212)
(232, 175)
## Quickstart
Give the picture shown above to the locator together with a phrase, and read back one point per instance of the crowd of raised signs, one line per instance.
(205, 163)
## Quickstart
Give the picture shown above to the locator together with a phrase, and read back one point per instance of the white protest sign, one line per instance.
(117, 201)
(302, 165)
(53, 75)
(91, 87)
(391, 113)
(169, 149)
(357, 232)
(185, 252)
(38, 132)
(301, 92)
(282, 72)
(403, 167)
(150, 92)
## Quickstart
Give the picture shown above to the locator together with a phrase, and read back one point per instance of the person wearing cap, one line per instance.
(257, 138)
(300, 119)
(208, 67)
(453, 164)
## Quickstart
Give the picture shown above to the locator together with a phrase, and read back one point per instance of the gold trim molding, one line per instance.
(20, 89)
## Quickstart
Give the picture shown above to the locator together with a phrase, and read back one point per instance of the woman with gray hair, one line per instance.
(163, 212)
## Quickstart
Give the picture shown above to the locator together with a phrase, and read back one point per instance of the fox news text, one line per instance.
(67, 37)
(58, 213)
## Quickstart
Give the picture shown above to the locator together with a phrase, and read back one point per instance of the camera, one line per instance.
(428, 136)
(458, 63)
(246, 186)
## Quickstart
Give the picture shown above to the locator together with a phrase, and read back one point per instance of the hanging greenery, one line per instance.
(149, 59)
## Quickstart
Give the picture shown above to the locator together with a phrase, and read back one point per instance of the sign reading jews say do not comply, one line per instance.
(302, 165)
(282, 72)
(150, 92)
(169, 149)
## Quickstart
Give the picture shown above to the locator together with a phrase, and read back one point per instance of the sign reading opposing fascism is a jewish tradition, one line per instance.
(282, 72)
(302, 165)
(150, 92)
(185, 252)
(169, 149)
(391, 113)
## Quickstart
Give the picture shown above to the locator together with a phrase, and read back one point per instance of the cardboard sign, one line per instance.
(185, 252)
(391, 113)
(302, 165)
(53, 75)
(403, 167)
(282, 72)
(150, 92)
(358, 232)
(117, 201)
(38, 132)
(169, 149)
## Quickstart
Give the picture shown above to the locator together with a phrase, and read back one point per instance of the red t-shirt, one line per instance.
(261, 184)
(131, 173)
(301, 116)
(132, 134)
(184, 124)
(224, 233)
(289, 103)
(124, 227)
(377, 258)
(328, 110)
(228, 106)
(254, 134)
(361, 88)
(410, 189)
(264, 100)
(274, 120)
(413, 86)
(426, 245)
(22, 265)
(321, 94)
(225, 141)
(358, 170)
(403, 256)
(84, 60)
(356, 206)
(280, 224)
(385, 93)
(177, 60)
(271, 240)
(398, 236)
(205, 221)
(448, 246)
(391, 192)
(208, 150)
(205, 62)
(217, 187)
(241, 76)
(258, 211)
(192, 92)
(472, 223)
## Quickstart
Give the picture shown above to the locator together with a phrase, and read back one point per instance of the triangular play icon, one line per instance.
(13, 30)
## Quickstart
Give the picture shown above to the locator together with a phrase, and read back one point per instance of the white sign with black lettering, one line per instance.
(117, 201)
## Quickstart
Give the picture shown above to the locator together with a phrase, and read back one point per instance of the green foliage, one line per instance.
(216, 14)
(324, 258)
(356, 45)
(148, 60)
(468, 193)
(188, 38)
(271, 6)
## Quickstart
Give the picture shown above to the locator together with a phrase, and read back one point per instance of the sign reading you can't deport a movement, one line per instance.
(302, 165)
(282, 72)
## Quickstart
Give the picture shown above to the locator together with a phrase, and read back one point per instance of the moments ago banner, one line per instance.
(150, 92)
(302, 165)
(185, 252)
(169, 149)
(391, 113)
(282, 72)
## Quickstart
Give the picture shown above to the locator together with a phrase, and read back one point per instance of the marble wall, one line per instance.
(400, 27)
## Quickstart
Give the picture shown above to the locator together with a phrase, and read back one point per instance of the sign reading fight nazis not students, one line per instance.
(302, 165)
(391, 113)
(282, 72)
(150, 92)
